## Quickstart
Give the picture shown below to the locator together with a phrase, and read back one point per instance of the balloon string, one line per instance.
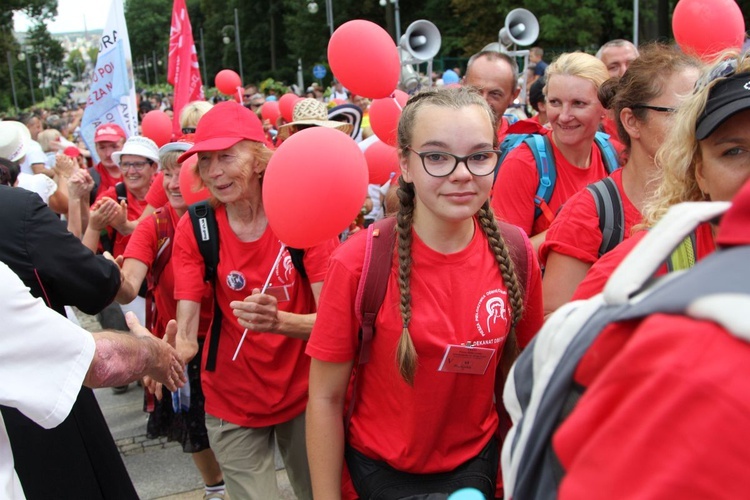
(240, 91)
(393, 96)
(265, 287)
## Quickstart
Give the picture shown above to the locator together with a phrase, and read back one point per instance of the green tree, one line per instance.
(148, 24)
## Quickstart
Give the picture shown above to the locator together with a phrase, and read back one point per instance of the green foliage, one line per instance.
(148, 24)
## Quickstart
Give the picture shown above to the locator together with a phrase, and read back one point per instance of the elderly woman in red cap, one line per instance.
(257, 389)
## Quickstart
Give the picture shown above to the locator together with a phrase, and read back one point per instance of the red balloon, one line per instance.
(705, 28)
(286, 106)
(270, 111)
(227, 81)
(190, 182)
(364, 59)
(314, 186)
(384, 115)
(382, 161)
(157, 126)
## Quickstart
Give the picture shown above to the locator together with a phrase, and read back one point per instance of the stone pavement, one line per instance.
(158, 469)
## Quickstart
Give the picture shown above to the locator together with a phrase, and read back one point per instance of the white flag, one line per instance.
(111, 97)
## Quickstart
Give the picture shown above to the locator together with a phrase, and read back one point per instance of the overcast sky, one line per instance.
(70, 16)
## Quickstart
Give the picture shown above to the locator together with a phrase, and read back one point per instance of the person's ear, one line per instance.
(700, 177)
(403, 160)
(631, 124)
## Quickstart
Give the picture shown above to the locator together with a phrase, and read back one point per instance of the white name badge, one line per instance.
(466, 359)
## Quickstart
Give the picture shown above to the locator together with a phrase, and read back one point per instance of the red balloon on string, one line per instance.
(705, 28)
(286, 105)
(270, 111)
(227, 81)
(157, 126)
(314, 186)
(384, 115)
(382, 162)
(190, 182)
(364, 59)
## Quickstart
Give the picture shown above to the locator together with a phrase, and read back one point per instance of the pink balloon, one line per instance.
(705, 28)
(190, 182)
(227, 81)
(157, 126)
(270, 111)
(286, 105)
(382, 161)
(314, 186)
(364, 59)
(384, 115)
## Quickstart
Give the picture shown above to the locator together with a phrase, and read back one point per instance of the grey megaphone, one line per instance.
(521, 28)
(421, 40)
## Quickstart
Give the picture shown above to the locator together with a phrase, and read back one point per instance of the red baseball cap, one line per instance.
(72, 151)
(109, 132)
(223, 126)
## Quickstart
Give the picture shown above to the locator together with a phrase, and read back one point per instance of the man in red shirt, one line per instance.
(495, 75)
(108, 138)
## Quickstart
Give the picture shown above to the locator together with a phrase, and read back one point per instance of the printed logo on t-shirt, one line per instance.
(236, 280)
(284, 271)
(492, 312)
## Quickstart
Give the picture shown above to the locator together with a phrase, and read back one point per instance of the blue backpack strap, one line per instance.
(609, 154)
(510, 142)
(545, 165)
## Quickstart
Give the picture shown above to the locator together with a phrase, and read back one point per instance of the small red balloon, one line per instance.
(286, 105)
(364, 58)
(384, 115)
(382, 162)
(270, 111)
(157, 126)
(705, 28)
(314, 186)
(190, 182)
(227, 81)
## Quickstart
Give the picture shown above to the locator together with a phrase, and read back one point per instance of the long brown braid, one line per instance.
(406, 354)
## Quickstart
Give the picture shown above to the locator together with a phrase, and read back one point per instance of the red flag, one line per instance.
(183, 71)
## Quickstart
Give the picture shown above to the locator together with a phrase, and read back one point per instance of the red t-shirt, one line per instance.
(600, 272)
(143, 246)
(517, 181)
(267, 383)
(156, 196)
(658, 408)
(135, 209)
(575, 231)
(107, 181)
(445, 418)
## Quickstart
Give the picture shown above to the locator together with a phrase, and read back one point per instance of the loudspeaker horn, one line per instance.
(521, 28)
(421, 40)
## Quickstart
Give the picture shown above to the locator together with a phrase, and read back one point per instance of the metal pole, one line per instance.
(635, 22)
(397, 17)
(237, 42)
(203, 56)
(156, 76)
(145, 70)
(41, 75)
(12, 80)
(300, 79)
(31, 82)
(329, 15)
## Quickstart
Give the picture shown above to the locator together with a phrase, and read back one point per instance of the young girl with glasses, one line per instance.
(452, 292)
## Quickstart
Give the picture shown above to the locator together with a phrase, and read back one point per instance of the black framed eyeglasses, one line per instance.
(138, 166)
(443, 164)
(660, 109)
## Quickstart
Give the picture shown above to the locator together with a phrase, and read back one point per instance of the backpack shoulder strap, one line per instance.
(164, 238)
(610, 211)
(207, 236)
(297, 255)
(544, 157)
(376, 269)
(609, 153)
(510, 142)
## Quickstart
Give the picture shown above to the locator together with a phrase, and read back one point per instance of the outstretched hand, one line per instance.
(164, 364)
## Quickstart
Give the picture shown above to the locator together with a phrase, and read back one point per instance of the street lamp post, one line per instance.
(396, 16)
(226, 39)
(312, 8)
(12, 80)
(22, 56)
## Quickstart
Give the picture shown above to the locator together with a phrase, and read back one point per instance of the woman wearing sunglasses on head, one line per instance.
(453, 291)
(706, 157)
(643, 101)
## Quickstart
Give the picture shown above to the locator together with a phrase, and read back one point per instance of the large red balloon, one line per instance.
(270, 111)
(286, 105)
(705, 28)
(364, 58)
(382, 161)
(384, 115)
(314, 186)
(190, 182)
(227, 81)
(157, 126)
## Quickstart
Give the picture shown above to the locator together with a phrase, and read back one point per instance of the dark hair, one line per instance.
(8, 172)
(643, 81)
(536, 93)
